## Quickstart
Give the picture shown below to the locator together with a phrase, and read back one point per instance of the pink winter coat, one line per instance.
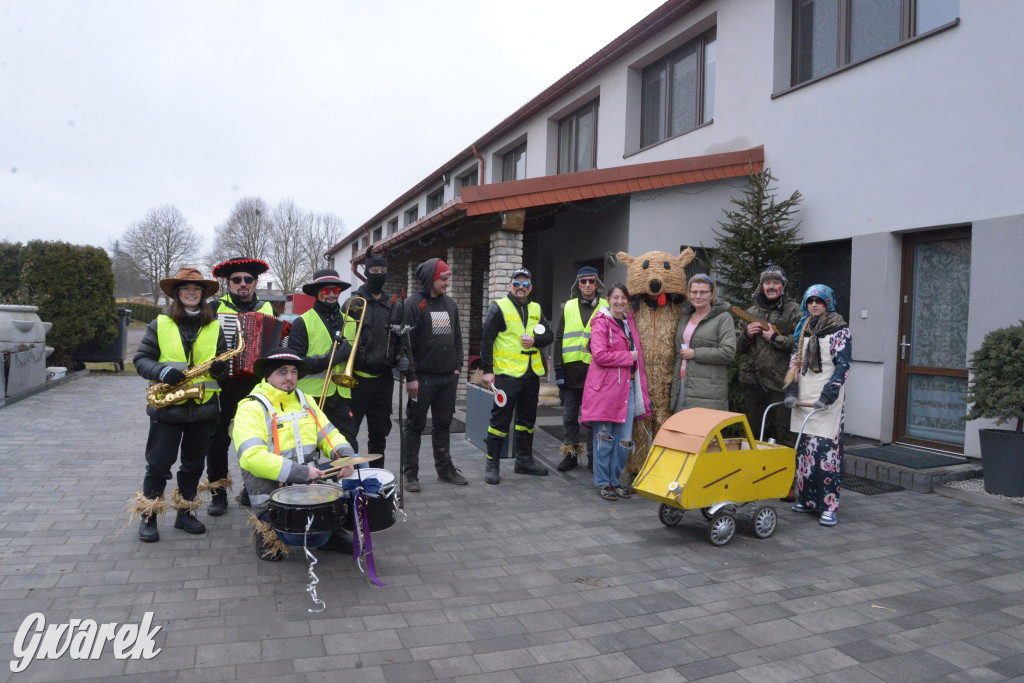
(606, 392)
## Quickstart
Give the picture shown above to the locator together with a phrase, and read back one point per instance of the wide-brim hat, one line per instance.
(253, 266)
(278, 357)
(170, 285)
(327, 277)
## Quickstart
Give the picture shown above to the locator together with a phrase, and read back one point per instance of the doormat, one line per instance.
(907, 457)
(866, 486)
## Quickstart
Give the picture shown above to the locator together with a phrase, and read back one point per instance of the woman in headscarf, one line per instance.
(816, 380)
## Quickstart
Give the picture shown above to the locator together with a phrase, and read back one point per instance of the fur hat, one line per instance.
(772, 272)
(188, 275)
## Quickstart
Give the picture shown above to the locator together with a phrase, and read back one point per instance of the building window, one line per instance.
(392, 226)
(830, 34)
(378, 233)
(411, 215)
(470, 179)
(355, 249)
(363, 243)
(513, 164)
(678, 92)
(435, 199)
(577, 140)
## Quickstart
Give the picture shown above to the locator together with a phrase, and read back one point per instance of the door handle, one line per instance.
(903, 347)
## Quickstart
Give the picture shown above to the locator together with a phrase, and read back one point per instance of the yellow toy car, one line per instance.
(692, 466)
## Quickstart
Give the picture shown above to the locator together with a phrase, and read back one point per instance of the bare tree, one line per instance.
(160, 243)
(128, 283)
(290, 226)
(325, 230)
(246, 233)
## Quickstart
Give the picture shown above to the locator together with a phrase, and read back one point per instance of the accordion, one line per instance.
(261, 333)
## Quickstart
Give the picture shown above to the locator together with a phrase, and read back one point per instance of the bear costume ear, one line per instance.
(624, 258)
(685, 256)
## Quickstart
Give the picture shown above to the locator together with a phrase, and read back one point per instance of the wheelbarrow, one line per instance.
(691, 466)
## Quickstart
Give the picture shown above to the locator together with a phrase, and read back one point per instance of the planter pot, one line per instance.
(1002, 458)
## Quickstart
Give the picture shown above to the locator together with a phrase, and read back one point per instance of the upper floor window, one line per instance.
(829, 34)
(392, 226)
(577, 140)
(435, 199)
(355, 249)
(678, 91)
(378, 233)
(513, 164)
(411, 215)
(470, 179)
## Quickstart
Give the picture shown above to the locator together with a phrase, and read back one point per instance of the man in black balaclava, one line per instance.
(377, 353)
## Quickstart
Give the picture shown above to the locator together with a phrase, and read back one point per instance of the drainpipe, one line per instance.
(483, 165)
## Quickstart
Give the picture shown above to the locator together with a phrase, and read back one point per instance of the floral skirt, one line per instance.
(819, 471)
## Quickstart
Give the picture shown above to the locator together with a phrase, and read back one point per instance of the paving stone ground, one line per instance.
(537, 579)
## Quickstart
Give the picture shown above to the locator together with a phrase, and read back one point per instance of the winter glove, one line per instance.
(790, 402)
(318, 364)
(819, 404)
(172, 376)
(403, 364)
(560, 377)
(219, 369)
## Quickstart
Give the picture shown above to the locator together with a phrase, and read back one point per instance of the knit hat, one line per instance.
(278, 357)
(441, 270)
(773, 272)
(375, 261)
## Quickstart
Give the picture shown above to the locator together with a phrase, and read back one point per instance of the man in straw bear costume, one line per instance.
(657, 286)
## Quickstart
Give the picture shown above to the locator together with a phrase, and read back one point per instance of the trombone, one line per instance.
(345, 378)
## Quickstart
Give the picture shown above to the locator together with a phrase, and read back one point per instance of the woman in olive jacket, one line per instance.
(706, 329)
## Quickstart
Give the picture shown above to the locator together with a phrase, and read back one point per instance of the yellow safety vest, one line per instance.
(509, 356)
(265, 308)
(576, 335)
(172, 351)
(320, 343)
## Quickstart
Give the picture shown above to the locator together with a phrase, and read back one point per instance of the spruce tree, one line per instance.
(758, 232)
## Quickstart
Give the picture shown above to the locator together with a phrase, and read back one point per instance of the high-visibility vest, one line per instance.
(510, 358)
(172, 351)
(320, 343)
(265, 307)
(576, 335)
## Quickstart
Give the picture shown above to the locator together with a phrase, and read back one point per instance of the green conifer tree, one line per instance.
(758, 232)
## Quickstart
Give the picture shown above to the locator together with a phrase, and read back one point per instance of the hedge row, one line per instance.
(144, 313)
(73, 286)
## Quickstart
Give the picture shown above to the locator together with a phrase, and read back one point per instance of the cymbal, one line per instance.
(357, 460)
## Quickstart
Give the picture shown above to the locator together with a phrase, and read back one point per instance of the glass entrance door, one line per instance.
(932, 358)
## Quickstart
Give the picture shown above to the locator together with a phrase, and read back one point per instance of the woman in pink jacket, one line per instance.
(615, 391)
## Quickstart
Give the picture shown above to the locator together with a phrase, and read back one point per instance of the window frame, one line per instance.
(573, 166)
(435, 200)
(844, 26)
(701, 118)
(519, 150)
(393, 226)
(473, 174)
(411, 215)
(378, 234)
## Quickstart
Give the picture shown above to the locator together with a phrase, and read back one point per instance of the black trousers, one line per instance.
(436, 394)
(572, 403)
(338, 411)
(755, 400)
(193, 438)
(522, 395)
(371, 398)
(231, 392)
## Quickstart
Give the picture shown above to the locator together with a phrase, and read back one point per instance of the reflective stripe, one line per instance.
(177, 365)
(523, 428)
(492, 430)
(510, 358)
(286, 469)
(576, 335)
(250, 443)
(568, 335)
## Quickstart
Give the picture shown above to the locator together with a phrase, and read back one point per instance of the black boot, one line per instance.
(147, 530)
(570, 461)
(243, 498)
(218, 503)
(264, 552)
(491, 472)
(524, 456)
(187, 522)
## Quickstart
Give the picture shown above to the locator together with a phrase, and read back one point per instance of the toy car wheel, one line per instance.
(764, 521)
(721, 529)
(707, 515)
(668, 515)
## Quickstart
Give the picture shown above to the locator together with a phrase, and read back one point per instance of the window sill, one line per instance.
(851, 65)
(674, 137)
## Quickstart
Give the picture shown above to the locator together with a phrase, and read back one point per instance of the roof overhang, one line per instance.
(573, 187)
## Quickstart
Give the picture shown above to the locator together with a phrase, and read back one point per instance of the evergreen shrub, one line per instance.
(996, 390)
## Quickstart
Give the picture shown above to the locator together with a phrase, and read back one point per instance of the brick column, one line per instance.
(506, 256)
(412, 283)
(460, 260)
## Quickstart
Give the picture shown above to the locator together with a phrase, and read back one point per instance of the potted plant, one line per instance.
(996, 392)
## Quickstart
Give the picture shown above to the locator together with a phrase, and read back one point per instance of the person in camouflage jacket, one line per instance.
(766, 354)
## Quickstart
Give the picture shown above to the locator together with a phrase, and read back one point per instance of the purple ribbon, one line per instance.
(362, 529)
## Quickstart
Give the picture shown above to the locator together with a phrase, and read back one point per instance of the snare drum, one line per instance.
(381, 507)
(292, 506)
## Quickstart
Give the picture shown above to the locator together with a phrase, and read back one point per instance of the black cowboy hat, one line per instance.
(327, 277)
(278, 357)
(253, 266)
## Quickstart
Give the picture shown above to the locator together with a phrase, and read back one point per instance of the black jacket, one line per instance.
(494, 324)
(378, 348)
(298, 338)
(435, 336)
(149, 367)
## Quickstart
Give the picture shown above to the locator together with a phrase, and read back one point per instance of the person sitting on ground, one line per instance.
(267, 449)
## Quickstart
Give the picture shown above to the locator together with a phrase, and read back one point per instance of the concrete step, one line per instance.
(919, 480)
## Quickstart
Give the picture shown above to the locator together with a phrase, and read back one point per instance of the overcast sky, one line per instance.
(110, 108)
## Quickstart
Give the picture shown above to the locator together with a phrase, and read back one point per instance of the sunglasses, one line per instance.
(330, 290)
(820, 302)
(247, 279)
(521, 284)
(588, 280)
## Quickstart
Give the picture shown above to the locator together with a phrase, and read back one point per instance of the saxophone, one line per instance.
(161, 395)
